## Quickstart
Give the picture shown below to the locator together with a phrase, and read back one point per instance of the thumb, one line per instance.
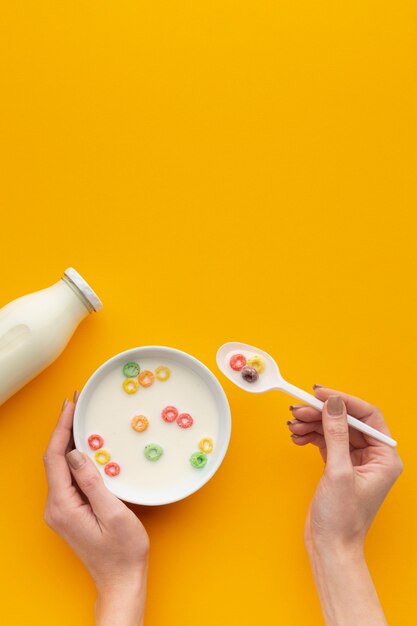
(91, 483)
(336, 434)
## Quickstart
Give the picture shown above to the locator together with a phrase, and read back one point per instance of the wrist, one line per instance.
(345, 588)
(121, 602)
(331, 558)
(328, 550)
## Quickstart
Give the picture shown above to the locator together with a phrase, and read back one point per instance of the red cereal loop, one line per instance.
(95, 442)
(237, 361)
(169, 414)
(185, 420)
(112, 469)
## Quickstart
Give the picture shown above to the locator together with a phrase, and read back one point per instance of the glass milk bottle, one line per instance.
(35, 329)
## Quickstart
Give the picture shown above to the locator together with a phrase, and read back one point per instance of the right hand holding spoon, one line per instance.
(359, 473)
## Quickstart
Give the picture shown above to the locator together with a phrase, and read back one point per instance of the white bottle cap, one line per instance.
(84, 287)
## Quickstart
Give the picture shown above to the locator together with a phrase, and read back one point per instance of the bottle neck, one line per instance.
(78, 293)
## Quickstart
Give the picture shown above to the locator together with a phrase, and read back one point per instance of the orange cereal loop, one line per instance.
(130, 385)
(146, 378)
(206, 445)
(139, 423)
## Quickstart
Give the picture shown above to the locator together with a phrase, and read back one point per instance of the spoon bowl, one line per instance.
(271, 377)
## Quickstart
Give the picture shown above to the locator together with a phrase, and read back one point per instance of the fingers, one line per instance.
(308, 432)
(56, 467)
(305, 413)
(310, 415)
(357, 408)
(63, 430)
(90, 481)
(303, 428)
(313, 438)
(336, 434)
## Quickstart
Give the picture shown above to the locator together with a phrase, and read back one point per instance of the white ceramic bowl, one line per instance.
(123, 491)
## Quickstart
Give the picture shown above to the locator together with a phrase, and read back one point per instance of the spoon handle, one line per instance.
(308, 398)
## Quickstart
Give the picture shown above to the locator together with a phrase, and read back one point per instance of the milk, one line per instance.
(109, 412)
(35, 328)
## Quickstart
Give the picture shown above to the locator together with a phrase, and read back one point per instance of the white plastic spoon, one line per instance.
(271, 379)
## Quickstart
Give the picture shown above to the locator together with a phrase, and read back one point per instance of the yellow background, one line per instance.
(217, 170)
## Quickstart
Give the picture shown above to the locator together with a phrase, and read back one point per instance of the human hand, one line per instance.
(359, 473)
(102, 531)
(359, 470)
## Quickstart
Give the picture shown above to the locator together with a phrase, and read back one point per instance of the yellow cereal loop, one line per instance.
(162, 373)
(257, 363)
(130, 385)
(102, 457)
(206, 445)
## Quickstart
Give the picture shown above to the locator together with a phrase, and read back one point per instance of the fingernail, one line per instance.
(294, 436)
(294, 407)
(317, 386)
(75, 459)
(292, 422)
(65, 403)
(76, 396)
(335, 405)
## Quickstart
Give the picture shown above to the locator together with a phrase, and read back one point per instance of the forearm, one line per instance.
(345, 588)
(122, 605)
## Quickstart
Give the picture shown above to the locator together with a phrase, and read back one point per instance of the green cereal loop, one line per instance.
(131, 369)
(198, 460)
(153, 452)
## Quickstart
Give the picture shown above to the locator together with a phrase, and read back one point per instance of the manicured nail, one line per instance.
(335, 405)
(76, 396)
(65, 403)
(292, 422)
(75, 459)
(294, 407)
(317, 386)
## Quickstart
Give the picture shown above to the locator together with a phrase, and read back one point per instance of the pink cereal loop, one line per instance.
(185, 420)
(169, 414)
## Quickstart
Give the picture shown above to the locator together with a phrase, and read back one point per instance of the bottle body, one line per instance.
(34, 330)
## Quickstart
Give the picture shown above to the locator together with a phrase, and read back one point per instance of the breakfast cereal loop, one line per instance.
(237, 361)
(169, 414)
(162, 373)
(130, 385)
(139, 423)
(131, 369)
(185, 420)
(206, 445)
(257, 363)
(153, 451)
(95, 442)
(250, 374)
(146, 378)
(198, 460)
(112, 469)
(102, 457)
